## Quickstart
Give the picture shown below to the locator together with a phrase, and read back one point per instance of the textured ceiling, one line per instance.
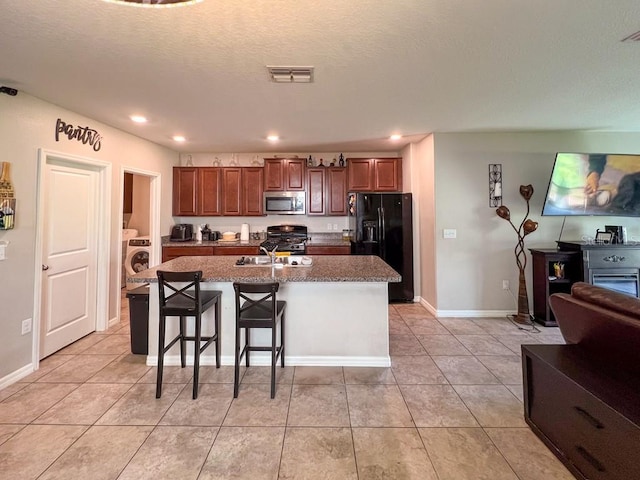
(408, 66)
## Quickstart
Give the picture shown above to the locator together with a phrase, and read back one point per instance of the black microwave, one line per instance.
(284, 203)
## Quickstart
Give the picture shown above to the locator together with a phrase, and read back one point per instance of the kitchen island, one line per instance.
(337, 308)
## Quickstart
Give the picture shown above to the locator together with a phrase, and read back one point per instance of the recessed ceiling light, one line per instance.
(273, 138)
(395, 136)
(138, 118)
(155, 3)
(179, 138)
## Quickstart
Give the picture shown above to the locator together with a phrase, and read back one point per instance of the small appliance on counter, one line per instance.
(181, 232)
(244, 232)
(618, 233)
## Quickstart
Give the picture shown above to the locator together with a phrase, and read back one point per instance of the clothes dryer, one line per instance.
(137, 258)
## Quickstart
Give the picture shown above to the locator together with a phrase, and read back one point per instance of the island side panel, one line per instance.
(327, 323)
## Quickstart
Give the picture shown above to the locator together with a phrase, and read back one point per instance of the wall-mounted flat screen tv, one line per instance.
(594, 184)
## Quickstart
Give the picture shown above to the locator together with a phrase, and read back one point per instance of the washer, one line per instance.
(137, 258)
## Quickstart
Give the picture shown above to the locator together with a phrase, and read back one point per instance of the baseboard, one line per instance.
(298, 361)
(13, 377)
(464, 313)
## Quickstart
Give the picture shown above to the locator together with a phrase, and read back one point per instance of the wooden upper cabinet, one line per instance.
(327, 191)
(208, 194)
(316, 186)
(284, 174)
(196, 191)
(387, 174)
(232, 191)
(185, 186)
(375, 174)
(242, 191)
(252, 189)
(127, 201)
(336, 191)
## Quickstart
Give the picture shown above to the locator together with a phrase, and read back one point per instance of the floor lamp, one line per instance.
(526, 227)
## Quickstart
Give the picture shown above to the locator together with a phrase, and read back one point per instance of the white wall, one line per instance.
(26, 125)
(470, 268)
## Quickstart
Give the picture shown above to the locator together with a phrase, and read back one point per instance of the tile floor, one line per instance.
(450, 407)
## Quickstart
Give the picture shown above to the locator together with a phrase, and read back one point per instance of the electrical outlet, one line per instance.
(335, 226)
(505, 284)
(328, 226)
(449, 233)
(26, 326)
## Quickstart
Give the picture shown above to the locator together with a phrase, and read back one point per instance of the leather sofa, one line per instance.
(604, 322)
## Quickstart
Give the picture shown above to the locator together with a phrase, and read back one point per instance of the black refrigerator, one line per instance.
(381, 224)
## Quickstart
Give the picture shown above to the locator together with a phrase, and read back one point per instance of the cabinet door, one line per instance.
(184, 191)
(252, 183)
(387, 175)
(232, 191)
(274, 176)
(316, 179)
(360, 174)
(294, 174)
(208, 197)
(328, 250)
(127, 204)
(336, 196)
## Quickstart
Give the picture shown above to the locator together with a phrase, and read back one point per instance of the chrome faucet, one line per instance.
(272, 253)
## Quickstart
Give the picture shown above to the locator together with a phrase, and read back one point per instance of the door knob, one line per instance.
(45, 267)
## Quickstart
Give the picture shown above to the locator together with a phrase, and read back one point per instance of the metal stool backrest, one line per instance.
(183, 300)
(257, 304)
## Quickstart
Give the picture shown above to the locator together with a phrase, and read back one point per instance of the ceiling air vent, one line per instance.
(291, 74)
(634, 37)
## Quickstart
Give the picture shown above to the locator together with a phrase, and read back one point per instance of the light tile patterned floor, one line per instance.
(450, 407)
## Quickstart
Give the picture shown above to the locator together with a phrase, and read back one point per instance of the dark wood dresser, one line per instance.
(586, 411)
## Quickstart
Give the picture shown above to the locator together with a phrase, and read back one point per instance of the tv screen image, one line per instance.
(594, 184)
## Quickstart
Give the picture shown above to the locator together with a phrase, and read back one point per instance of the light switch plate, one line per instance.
(449, 233)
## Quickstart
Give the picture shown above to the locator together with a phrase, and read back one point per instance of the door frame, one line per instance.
(103, 214)
(155, 184)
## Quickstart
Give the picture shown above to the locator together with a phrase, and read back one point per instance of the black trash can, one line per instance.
(139, 319)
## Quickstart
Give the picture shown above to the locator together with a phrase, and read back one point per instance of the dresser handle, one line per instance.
(590, 458)
(613, 259)
(589, 418)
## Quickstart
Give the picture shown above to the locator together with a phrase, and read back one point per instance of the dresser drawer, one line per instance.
(600, 442)
(613, 258)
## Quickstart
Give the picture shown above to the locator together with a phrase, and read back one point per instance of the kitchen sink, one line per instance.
(265, 261)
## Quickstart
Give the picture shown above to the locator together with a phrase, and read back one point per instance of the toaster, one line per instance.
(181, 232)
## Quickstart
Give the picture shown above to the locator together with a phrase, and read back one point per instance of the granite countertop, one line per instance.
(325, 268)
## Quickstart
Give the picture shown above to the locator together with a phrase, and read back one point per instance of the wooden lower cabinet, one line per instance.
(169, 253)
(236, 250)
(328, 250)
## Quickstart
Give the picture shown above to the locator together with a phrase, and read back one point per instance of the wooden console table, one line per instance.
(586, 411)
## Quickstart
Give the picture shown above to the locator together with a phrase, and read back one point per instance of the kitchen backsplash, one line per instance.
(260, 224)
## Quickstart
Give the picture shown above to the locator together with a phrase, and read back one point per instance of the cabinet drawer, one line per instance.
(614, 258)
(596, 439)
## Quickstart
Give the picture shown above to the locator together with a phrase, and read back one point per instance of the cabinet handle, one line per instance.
(613, 259)
(589, 418)
(590, 458)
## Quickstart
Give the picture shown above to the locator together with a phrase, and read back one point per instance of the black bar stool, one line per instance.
(259, 309)
(186, 301)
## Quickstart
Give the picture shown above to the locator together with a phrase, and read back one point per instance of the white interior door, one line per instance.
(70, 250)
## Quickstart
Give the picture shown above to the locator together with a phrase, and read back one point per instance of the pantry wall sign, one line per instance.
(85, 135)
